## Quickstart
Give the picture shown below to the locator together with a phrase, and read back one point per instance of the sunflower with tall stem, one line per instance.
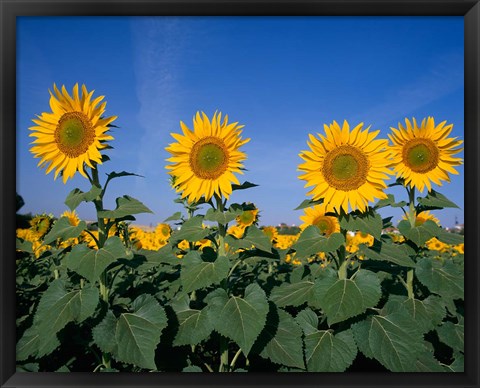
(203, 163)
(422, 154)
(69, 140)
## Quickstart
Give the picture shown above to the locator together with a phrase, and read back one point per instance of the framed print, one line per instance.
(239, 193)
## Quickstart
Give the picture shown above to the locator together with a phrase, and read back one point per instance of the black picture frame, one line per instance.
(10, 9)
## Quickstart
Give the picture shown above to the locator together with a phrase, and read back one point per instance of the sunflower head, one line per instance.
(347, 168)
(247, 218)
(423, 153)
(271, 232)
(72, 217)
(40, 224)
(72, 134)
(422, 217)
(236, 230)
(316, 216)
(163, 231)
(204, 160)
(363, 238)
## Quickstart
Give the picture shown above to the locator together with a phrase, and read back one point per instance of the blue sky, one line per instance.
(282, 77)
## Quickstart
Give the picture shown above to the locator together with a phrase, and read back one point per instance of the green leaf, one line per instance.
(311, 241)
(197, 273)
(436, 200)
(457, 365)
(57, 307)
(191, 230)
(450, 238)
(368, 222)
(427, 313)
(426, 362)
(64, 230)
(174, 217)
(126, 206)
(193, 325)
(24, 245)
(345, 298)
(104, 333)
(307, 319)
(192, 368)
(164, 255)
(389, 201)
(90, 263)
(387, 252)
(444, 279)
(240, 319)
(419, 234)
(393, 340)
(452, 335)
(222, 217)
(325, 352)
(294, 294)
(284, 348)
(138, 333)
(114, 174)
(308, 203)
(253, 238)
(77, 196)
(243, 186)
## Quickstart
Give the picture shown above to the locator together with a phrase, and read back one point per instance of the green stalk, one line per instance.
(102, 237)
(412, 218)
(223, 355)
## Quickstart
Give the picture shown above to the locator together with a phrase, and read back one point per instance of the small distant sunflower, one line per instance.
(271, 232)
(40, 224)
(420, 218)
(364, 238)
(460, 248)
(424, 154)
(316, 216)
(436, 245)
(204, 160)
(73, 134)
(163, 231)
(247, 218)
(72, 217)
(346, 168)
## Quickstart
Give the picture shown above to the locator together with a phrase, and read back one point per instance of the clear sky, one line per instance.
(282, 77)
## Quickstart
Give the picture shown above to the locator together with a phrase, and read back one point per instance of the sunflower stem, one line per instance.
(412, 219)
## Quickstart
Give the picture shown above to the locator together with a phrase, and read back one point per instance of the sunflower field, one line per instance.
(210, 289)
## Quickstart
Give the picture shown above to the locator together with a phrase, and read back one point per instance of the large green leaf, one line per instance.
(253, 238)
(394, 340)
(419, 234)
(191, 230)
(90, 263)
(426, 362)
(325, 352)
(62, 229)
(341, 299)
(197, 273)
(240, 319)
(77, 196)
(56, 309)
(452, 335)
(442, 278)
(367, 222)
(427, 313)
(307, 319)
(222, 217)
(311, 241)
(387, 252)
(193, 325)
(104, 333)
(294, 294)
(126, 206)
(284, 348)
(450, 238)
(138, 333)
(436, 200)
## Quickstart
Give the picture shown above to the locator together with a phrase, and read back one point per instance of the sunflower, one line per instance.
(271, 232)
(204, 160)
(421, 217)
(247, 218)
(346, 168)
(364, 238)
(72, 217)
(424, 154)
(40, 224)
(436, 245)
(163, 231)
(73, 134)
(236, 231)
(316, 216)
